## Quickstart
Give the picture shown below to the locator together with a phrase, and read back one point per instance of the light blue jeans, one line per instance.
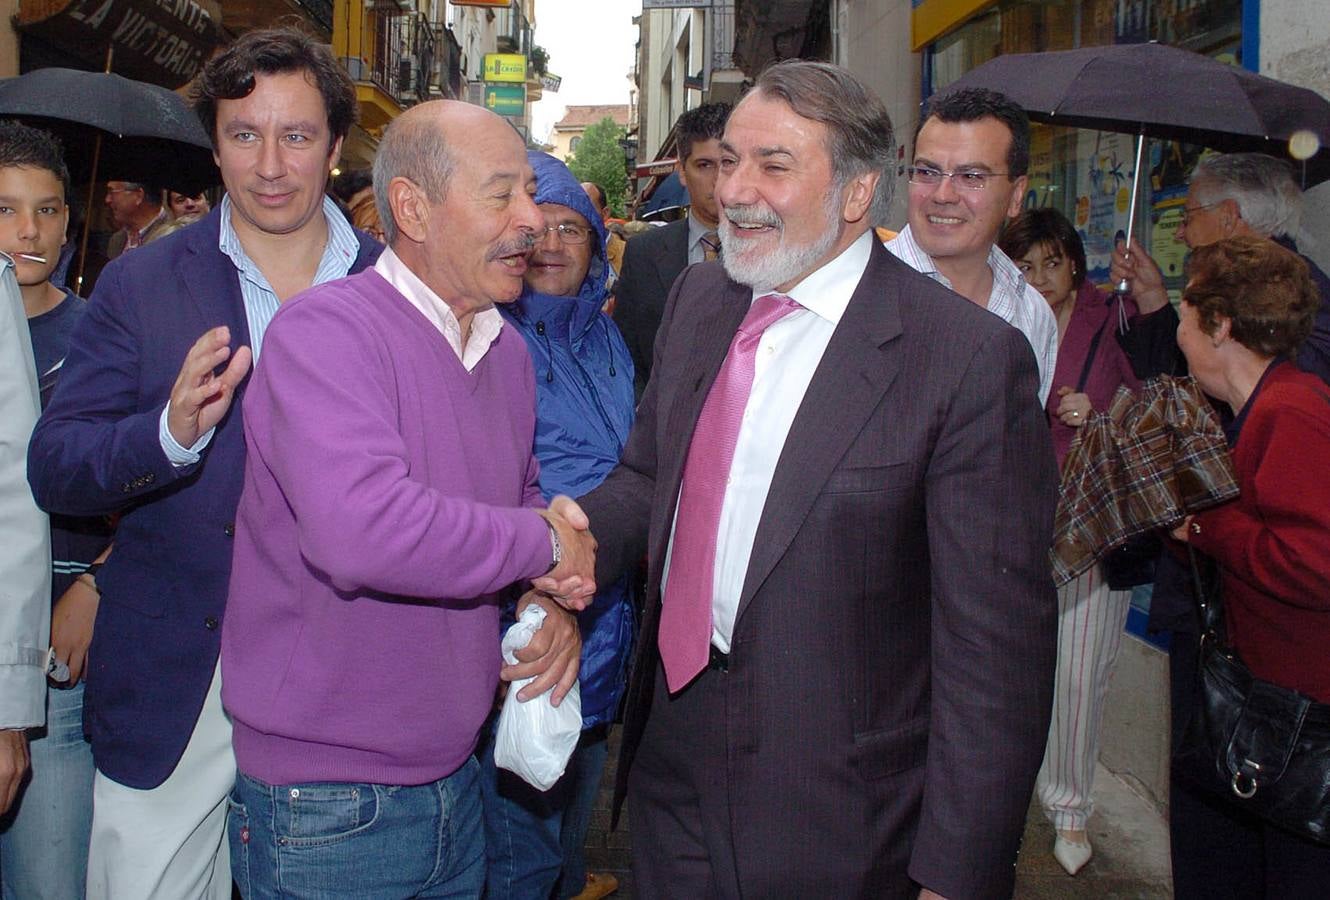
(367, 841)
(44, 838)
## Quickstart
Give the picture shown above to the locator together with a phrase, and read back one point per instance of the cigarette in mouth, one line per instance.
(31, 257)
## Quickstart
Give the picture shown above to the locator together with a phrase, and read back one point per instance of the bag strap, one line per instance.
(1212, 612)
(1089, 360)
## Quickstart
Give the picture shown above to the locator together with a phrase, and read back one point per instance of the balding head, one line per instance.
(596, 195)
(462, 222)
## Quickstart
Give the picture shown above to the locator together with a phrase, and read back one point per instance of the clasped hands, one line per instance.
(573, 581)
(555, 650)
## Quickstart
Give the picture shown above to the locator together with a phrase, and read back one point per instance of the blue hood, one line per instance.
(555, 184)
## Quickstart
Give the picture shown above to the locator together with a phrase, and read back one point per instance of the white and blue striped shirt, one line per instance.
(261, 302)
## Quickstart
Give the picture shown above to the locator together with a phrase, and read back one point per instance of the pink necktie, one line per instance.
(685, 619)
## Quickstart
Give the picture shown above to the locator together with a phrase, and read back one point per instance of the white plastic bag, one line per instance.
(535, 739)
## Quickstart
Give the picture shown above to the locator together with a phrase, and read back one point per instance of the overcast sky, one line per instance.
(591, 45)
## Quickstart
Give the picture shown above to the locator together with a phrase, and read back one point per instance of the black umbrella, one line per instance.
(155, 138)
(1153, 90)
(158, 139)
(1163, 92)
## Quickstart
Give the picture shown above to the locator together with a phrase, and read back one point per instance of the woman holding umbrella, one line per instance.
(1247, 307)
(1090, 367)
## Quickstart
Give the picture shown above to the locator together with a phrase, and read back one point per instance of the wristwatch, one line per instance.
(556, 547)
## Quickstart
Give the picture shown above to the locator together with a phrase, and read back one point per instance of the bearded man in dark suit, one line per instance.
(845, 488)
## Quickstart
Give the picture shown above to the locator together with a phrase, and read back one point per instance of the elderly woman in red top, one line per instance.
(1248, 304)
(1090, 368)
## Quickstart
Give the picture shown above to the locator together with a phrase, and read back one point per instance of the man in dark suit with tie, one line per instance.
(845, 488)
(147, 421)
(653, 259)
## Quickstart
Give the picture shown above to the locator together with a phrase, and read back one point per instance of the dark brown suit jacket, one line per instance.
(891, 668)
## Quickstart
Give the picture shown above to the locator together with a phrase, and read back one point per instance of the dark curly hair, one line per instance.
(230, 75)
(701, 124)
(1045, 226)
(23, 145)
(973, 104)
(1265, 291)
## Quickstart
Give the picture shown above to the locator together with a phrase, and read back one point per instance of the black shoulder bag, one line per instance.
(1259, 746)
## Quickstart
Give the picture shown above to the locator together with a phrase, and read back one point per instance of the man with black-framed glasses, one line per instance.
(971, 154)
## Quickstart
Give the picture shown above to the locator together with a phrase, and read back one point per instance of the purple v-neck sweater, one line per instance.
(382, 510)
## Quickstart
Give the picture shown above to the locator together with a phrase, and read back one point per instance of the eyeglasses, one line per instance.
(568, 233)
(1189, 211)
(968, 180)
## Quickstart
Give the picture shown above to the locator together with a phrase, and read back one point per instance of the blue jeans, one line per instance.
(44, 838)
(358, 840)
(534, 839)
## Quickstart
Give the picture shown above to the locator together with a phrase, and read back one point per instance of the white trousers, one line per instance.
(169, 842)
(1090, 623)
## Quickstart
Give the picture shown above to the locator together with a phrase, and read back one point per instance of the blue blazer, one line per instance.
(96, 451)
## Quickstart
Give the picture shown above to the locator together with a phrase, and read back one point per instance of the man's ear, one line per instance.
(1017, 196)
(859, 196)
(334, 154)
(410, 208)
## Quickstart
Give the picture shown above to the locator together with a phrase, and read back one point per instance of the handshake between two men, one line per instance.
(554, 652)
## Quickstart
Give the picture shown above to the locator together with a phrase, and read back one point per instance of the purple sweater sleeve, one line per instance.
(322, 416)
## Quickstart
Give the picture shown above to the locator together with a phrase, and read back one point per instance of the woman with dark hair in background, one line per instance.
(1090, 367)
(1248, 305)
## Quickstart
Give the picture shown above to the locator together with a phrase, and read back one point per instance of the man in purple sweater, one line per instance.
(390, 497)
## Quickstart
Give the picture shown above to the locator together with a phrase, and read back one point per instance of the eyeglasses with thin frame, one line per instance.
(1189, 211)
(568, 232)
(970, 179)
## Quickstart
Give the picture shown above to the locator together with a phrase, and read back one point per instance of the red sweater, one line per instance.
(1273, 542)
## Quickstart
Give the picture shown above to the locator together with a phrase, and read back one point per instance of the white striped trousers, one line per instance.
(1090, 623)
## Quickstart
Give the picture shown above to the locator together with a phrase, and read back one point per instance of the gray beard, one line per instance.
(764, 272)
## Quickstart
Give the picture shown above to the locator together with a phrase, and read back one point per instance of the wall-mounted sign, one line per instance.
(510, 67)
(160, 42)
(550, 83)
(506, 99)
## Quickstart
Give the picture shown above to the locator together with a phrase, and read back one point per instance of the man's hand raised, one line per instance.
(573, 581)
(1144, 280)
(200, 398)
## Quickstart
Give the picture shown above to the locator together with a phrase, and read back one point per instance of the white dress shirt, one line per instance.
(787, 357)
(1011, 298)
(485, 325)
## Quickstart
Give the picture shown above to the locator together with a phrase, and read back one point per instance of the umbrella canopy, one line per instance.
(159, 140)
(669, 194)
(1148, 461)
(1163, 92)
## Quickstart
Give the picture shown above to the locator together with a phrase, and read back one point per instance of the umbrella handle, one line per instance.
(1122, 286)
(92, 192)
(87, 215)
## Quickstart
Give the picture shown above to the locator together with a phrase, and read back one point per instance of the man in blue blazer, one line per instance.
(146, 422)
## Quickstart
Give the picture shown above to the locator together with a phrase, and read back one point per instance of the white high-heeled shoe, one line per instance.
(1072, 850)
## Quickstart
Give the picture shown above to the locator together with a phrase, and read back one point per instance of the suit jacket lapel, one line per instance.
(859, 364)
(674, 255)
(212, 280)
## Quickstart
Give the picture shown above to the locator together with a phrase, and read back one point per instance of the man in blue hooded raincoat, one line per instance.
(584, 409)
